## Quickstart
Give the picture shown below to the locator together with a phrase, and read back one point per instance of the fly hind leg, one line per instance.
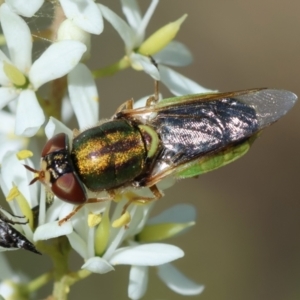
(135, 198)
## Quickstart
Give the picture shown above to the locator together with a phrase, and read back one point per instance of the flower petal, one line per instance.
(137, 23)
(146, 255)
(52, 230)
(66, 110)
(125, 32)
(78, 244)
(132, 13)
(174, 54)
(54, 127)
(54, 211)
(13, 172)
(141, 29)
(58, 59)
(22, 8)
(178, 282)
(83, 96)
(141, 62)
(180, 213)
(138, 282)
(30, 116)
(98, 265)
(7, 144)
(178, 84)
(18, 37)
(85, 14)
(7, 94)
(68, 30)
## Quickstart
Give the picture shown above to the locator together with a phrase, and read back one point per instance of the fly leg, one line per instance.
(135, 198)
(4, 218)
(126, 105)
(78, 207)
(151, 101)
(132, 197)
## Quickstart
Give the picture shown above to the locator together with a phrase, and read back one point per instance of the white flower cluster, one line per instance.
(100, 243)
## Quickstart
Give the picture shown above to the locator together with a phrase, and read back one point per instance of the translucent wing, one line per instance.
(194, 126)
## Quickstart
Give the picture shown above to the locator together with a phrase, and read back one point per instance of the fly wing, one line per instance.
(193, 126)
(270, 105)
(192, 130)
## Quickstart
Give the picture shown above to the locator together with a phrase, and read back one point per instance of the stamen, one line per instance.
(94, 220)
(122, 221)
(13, 193)
(23, 154)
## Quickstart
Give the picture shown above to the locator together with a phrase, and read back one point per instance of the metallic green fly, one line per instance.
(138, 147)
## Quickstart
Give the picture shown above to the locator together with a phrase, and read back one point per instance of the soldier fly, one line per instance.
(10, 237)
(181, 137)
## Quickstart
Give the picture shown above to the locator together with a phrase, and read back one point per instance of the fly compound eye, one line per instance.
(56, 143)
(69, 188)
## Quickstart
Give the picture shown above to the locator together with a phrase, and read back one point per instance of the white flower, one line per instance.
(25, 8)
(169, 223)
(19, 78)
(140, 256)
(83, 96)
(8, 140)
(174, 54)
(84, 13)
(69, 31)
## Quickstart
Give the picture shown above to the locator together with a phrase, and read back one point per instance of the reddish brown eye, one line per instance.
(58, 142)
(69, 188)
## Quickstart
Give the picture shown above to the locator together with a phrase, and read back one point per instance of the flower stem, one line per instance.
(59, 251)
(38, 282)
(62, 288)
(113, 68)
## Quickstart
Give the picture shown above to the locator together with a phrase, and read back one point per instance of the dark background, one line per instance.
(245, 244)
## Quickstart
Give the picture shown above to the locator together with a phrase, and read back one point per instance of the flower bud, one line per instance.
(161, 38)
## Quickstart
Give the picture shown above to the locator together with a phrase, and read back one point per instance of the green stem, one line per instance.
(113, 68)
(38, 282)
(62, 287)
(58, 252)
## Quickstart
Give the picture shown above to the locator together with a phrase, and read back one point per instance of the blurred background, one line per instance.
(246, 242)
